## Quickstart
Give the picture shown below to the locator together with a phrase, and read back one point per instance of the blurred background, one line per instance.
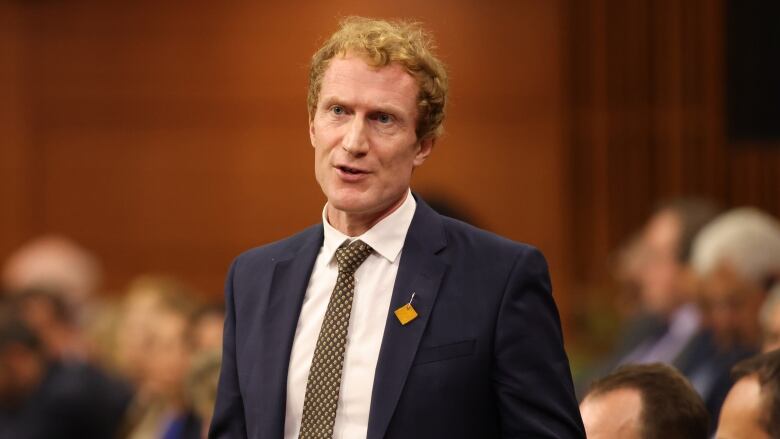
(161, 139)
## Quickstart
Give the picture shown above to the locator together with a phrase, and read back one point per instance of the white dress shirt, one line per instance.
(374, 281)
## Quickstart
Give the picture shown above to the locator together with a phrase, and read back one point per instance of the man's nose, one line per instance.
(355, 141)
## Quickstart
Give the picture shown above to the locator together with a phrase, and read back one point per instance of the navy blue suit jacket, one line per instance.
(484, 359)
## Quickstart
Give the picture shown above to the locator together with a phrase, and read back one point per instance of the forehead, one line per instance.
(662, 229)
(615, 413)
(741, 413)
(350, 79)
(724, 281)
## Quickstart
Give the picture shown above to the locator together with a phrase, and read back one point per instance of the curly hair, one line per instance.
(382, 42)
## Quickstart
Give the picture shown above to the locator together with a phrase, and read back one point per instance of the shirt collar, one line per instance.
(386, 237)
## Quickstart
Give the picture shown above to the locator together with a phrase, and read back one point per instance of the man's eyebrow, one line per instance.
(327, 101)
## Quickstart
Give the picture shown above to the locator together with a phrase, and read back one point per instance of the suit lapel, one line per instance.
(285, 298)
(420, 272)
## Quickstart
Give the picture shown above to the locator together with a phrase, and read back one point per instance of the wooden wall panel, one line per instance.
(170, 137)
(14, 176)
(647, 116)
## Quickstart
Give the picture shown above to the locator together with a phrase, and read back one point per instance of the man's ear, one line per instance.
(311, 131)
(425, 148)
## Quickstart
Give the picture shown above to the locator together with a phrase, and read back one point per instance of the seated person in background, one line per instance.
(42, 398)
(57, 263)
(770, 320)
(752, 408)
(46, 312)
(154, 351)
(666, 290)
(206, 328)
(737, 257)
(657, 266)
(651, 401)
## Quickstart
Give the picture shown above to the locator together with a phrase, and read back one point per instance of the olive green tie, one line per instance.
(322, 387)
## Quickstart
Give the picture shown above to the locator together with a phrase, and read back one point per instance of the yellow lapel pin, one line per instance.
(406, 313)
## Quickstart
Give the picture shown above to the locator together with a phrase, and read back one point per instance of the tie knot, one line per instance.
(351, 256)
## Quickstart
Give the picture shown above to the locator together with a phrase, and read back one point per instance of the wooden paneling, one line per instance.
(14, 175)
(647, 94)
(170, 137)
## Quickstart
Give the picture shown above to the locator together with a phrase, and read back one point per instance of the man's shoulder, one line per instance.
(282, 248)
(478, 241)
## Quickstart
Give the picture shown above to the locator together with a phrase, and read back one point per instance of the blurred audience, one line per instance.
(43, 397)
(651, 401)
(702, 290)
(738, 259)
(770, 320)
(656, 268)
(74, 364)
(752, 408)
(669, 318)
(153, 350)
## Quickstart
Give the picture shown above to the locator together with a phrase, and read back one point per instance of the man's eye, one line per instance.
(384, 118)
(337, 110)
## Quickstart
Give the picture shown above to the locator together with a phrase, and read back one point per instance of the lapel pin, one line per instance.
(406, 313)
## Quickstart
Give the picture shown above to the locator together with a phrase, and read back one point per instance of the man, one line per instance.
(670, 318)
(752, 407)
(46, 398)
(737, 257)
(644, 402)
(434, 328)
(667, 327)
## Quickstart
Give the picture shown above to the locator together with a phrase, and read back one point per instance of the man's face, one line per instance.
(659, 268)
(363, 133)
(742, 410)
(613, 415)
(731, 304)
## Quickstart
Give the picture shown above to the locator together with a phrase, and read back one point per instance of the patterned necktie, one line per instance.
(322, 387)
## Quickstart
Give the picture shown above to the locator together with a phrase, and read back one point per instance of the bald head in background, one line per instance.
(55, 263)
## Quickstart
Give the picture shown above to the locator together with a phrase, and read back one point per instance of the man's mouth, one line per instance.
(351, 171)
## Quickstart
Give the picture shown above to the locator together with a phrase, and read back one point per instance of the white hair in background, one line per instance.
(745, 238)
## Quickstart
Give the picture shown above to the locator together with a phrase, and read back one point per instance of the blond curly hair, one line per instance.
(382, 42)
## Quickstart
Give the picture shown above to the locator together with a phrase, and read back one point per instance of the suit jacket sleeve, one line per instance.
(532, 377)
(228, 420)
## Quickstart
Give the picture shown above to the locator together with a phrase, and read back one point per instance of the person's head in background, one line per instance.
(649, 401)
(752, 407)
(737, 257)
(206, 328)
(55, 263)
(152, 330)
(662, 257)
(23, 361)
(770, 320)
(51, 318)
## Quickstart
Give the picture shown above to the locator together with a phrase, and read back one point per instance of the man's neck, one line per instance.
(355, 224)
